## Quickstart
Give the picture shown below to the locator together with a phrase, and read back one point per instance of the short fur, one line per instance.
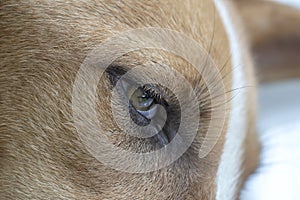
(42, 45)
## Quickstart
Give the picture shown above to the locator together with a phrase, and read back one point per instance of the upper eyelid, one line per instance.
(154, 91)
(115, 72)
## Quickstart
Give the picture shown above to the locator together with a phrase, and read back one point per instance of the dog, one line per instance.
(43, 46)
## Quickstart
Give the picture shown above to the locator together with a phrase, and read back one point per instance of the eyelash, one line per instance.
(115, 72)
(151, 90)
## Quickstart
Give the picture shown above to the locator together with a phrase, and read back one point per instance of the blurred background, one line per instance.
(274, 34)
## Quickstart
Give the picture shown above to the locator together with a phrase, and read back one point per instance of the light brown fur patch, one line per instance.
(42, 45)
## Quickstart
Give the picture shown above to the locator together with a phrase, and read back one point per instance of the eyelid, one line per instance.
(127, 86)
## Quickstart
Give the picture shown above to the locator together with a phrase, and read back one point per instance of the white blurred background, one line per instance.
(278, 176)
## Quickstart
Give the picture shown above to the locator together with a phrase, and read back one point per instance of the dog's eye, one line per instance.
(144, 102)
(141, 100)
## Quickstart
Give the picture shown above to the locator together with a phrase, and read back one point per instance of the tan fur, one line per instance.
(42, 45)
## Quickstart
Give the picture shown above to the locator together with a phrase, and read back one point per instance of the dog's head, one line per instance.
(124, 99)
